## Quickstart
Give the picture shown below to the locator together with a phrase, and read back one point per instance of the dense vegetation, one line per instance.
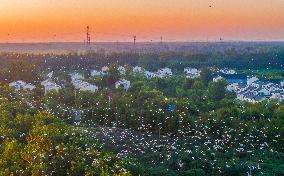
(35, 142)
(266, 56)
(196, 126)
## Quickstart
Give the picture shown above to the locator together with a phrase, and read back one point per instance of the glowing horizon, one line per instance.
(112, 20)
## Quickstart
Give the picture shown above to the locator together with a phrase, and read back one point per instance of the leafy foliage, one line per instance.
(170, 126)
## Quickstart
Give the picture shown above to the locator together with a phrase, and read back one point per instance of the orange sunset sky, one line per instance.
(112, 20)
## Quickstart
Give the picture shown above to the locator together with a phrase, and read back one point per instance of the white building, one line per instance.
(49, 85)
(218, 78)
(264, 91)
(50, 74)
(251, 80)
(192, 72)
(77, 83)
(270, 86)
(189, 70)
(18, 85)
(256, 91)
(164, 72)
(76, 76)
(96, 73)
(275, 96)
(121, 70)
(279, 96)
(148, 74)
(84, 86)
(231, 71)
(227, 71)
(124, 83)
(256, 84)
(137, 69)
(254, 98)
(29, 86)
(88, 87)
(232, 87)
(105, 69)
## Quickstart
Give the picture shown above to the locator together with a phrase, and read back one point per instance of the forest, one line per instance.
(159, 126)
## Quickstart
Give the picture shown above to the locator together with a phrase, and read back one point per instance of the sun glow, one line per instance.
(112, 20)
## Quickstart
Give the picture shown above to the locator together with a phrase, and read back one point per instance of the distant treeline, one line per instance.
(249, 58)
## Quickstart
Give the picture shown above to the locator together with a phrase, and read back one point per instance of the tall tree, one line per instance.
(205, 75)
(217, 90)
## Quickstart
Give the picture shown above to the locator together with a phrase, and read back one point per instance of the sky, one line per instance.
(120, 20)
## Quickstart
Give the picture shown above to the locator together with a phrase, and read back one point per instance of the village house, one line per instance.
(251, 80)
(253, 98)
(18, 85)
(29, 86)
(192, 72)
(217, 78)
(164, 72)
(264, 92)
(83, 86)
(227, 71)
(148, 74)
(50, 85)
(124, 83)
(50, 74)
(277, 95)
(121, 70)
(137, 69)
(95, 73)
(76, 76)
(256, 91)
(282, 83)
(105, 69)
(231, 71)
(232, 87)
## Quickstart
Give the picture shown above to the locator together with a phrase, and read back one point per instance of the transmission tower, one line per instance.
(88, 36)
(134, 40)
